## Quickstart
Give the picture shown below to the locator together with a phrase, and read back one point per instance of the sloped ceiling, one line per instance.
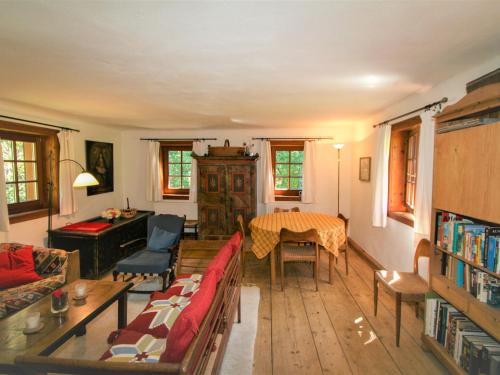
(189, 65)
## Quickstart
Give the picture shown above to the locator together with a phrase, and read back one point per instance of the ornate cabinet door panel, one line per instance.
(212, 199)
(242, 193)
(226, 188)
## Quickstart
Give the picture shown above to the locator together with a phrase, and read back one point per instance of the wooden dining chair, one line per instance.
(343, 248)
(246, 247)
(405, 286)
(290, 251)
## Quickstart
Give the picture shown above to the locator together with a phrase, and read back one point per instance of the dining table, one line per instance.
(265, 232)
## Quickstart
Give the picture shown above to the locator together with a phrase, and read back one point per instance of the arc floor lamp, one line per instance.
(83, 179)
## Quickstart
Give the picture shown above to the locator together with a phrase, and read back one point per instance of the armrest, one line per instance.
(73, 270)
(123, 245)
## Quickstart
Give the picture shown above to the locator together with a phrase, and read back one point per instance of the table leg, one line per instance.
(273, 267)
(122, 310)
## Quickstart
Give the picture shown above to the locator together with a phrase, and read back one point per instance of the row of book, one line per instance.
(483, 286)
(470, 347)
(475, 242)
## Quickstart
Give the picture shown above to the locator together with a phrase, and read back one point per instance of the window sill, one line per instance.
(281, 198)
(175, 197)
(403, 217)
(31, 215)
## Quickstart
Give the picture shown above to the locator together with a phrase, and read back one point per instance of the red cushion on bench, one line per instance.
(219, 262)
(131, 346)
(235, 241)
(5, 260)
(184, 285)
(187, 324)
(22, 269)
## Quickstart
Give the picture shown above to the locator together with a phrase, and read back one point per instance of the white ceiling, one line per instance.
(178, 65)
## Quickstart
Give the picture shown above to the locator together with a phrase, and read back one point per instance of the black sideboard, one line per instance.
(100, 251)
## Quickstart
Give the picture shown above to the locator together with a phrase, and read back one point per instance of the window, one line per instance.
(288, 158)
(25, 152)
(176, 159)
(403, 170)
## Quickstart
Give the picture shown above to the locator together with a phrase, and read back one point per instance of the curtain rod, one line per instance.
(290, 139)
(424, 108)
(178, 139)
(40, 123)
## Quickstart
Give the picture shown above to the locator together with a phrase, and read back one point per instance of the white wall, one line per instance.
(134, 173)
(35, 231)
(394, 245)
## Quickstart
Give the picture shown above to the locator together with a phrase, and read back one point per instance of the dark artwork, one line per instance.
(100, 164)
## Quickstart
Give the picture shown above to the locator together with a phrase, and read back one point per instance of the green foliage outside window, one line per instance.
(179, 169)
(288, 170)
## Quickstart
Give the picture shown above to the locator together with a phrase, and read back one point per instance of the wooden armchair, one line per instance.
(291, 251)
(405, 286)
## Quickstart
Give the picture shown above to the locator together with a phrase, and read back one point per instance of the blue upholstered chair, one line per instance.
(149, 262)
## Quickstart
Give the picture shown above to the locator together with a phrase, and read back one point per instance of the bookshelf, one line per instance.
(465, 183)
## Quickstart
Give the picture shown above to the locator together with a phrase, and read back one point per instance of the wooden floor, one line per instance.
(333, 331)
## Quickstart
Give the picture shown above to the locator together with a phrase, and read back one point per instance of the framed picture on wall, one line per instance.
(99, 157)
(365, 168)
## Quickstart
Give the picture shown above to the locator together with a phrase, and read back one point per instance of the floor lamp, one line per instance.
(83, 179)
(339, 147)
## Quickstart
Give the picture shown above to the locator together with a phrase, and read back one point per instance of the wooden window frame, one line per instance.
(165, 147)
(398, 209)
(46, 143)
(286, 195)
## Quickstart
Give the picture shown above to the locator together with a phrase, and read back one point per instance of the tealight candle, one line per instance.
(80, 290)
(33, 320)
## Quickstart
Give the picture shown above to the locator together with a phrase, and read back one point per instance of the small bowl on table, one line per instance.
(129, 213)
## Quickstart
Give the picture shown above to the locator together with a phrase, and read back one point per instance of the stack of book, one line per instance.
(471, 348)
(477, 243)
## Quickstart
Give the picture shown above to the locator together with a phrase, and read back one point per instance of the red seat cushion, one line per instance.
(131, 346)
(187, 324)
(22, 269)
(184, 285)
(219, 262)
(5, 260)
(235, 241)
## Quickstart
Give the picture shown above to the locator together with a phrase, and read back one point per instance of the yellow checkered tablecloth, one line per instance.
(266, 230)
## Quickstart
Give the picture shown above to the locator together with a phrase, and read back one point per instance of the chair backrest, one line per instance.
(295, 209)
(424, 249)
(241, 226)
(171, 223)
(277, 209)
(286, 235)
(346, 222)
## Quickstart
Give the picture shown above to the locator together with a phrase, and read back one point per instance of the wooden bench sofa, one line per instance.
(206, 350)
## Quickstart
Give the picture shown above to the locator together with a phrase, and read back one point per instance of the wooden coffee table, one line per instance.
(56, 331)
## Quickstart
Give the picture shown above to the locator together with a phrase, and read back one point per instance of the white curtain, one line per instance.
(309, 172)
(266, 172)
(423, 194)
(4, 214)
(381, 188)
(198, 149)
(154, 174)
(67, 173)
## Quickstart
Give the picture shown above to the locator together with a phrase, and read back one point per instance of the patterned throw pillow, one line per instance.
(49, 262)
(184, 285)
(134, 346)
(159, 316)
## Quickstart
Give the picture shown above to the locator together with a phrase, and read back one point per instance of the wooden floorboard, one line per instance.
(333, 331)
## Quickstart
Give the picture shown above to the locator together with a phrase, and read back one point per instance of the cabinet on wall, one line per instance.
(466, 194)
(100, 251)
(227, 187)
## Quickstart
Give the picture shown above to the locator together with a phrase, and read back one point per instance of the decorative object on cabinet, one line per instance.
(227, 187)
(465, 200)
(100, 164)
(99, 251)
(365, 168)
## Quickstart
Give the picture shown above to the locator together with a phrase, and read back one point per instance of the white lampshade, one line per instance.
(85, 179)
(338, 146)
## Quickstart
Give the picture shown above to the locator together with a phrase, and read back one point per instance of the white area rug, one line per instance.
(239, 352)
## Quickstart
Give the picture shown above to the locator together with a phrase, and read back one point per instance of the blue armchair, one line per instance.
(148, 262)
